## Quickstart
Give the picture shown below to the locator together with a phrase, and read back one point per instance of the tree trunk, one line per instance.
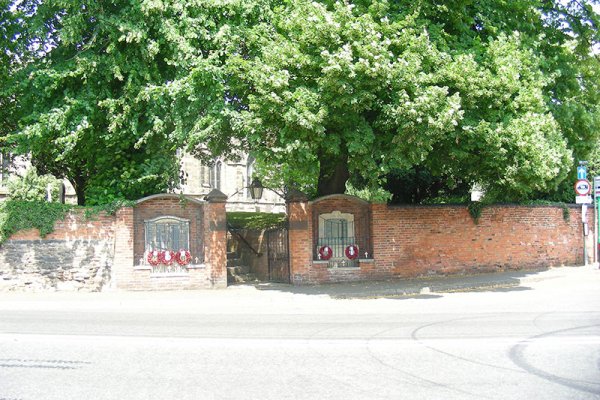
(333, 175)
(79, 186)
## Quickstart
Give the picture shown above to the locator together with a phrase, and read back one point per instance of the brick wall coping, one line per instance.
(169, 196)
(340, 196)
(496, 205)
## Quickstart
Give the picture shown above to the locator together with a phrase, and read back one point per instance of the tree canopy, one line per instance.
(499, 94)
(107, 90)
(503, 95)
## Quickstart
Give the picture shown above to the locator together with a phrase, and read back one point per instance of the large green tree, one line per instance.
(499, 94)
(495, 93)
(9, 27)
(560, 34)
(110, 89)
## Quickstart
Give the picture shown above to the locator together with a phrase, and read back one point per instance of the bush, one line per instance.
(33, 187)
(250, 220)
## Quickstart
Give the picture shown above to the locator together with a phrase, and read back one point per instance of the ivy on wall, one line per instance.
(17, 215)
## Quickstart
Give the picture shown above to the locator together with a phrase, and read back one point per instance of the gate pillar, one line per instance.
(215, 237)
(300, 237)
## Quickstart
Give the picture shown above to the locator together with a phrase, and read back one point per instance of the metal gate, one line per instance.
(278, 255)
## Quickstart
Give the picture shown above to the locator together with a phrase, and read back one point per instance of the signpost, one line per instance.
(583, 190)
(583, 187)
(581, 172)
(597, 219)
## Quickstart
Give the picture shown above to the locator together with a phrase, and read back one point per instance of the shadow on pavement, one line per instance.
(417, 288)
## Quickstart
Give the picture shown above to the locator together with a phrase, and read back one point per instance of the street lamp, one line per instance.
(256, 189)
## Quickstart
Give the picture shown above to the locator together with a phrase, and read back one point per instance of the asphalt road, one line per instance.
(538, 340)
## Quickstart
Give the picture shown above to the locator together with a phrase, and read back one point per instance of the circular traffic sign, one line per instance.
(583, 187)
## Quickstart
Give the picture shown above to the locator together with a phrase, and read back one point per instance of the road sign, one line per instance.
(597, 186)
(587, 199)
(583, 187)
(581, 172)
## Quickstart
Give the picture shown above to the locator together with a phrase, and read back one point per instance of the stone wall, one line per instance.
(78, 255)
(412, 241)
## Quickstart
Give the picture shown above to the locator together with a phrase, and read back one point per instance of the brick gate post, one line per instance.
(300, 237)
(122, 269)
(215, 238)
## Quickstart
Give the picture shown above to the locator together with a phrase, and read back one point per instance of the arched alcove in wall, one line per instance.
(342, 227)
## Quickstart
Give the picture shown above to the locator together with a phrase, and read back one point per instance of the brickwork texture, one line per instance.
(414, 241)
(406, 241)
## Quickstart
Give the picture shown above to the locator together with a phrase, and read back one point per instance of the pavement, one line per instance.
(511, 335)
(269, 298)
(410, 287)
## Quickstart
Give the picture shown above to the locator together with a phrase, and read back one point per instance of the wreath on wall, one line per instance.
(153, 258)
(352, 252)
(167, 257)
(183, 257)
(325, 252)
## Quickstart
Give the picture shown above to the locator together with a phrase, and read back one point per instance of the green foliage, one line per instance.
(594, 162)
(32, 187)
(376, 195)
(18, 215)
(249, 220)
(373, 88)
(503, 94)
(287, 175)
(97, 96)
(475, 209)
(418, 185)
(91, 212)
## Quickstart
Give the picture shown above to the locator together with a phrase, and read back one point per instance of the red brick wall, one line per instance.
(215, 234)
(123, 274)
(300, 243)
(74, 226)
(411, 241)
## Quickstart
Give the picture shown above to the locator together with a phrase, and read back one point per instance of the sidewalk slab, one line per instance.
(426, 286)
